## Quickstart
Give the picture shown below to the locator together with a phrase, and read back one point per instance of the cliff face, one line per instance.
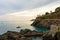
(42, 21)
(49, 37)
(45, 23)
(57, 36)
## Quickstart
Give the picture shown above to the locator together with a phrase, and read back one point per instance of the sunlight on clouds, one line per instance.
(31, 13)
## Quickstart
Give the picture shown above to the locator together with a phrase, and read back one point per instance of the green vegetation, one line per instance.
(39, 22)
(59, 28)
(51, 15)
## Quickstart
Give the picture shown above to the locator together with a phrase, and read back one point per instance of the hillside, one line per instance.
(42, 21)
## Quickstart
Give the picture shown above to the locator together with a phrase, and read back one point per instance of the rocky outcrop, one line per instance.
(41, 21)
(49, 37)
(45, 23)
(57, 36)
(25, 34)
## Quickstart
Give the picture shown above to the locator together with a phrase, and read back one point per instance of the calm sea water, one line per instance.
(11, 26)
(9, 23)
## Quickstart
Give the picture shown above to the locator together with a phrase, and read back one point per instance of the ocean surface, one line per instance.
(10, 22)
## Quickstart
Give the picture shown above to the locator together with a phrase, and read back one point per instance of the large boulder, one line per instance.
(57, 36)
(48, 37)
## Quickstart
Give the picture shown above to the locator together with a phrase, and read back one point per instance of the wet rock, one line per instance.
(48, 37)
(57, 36)
(11, 35)
(24, 31)
(44, 23)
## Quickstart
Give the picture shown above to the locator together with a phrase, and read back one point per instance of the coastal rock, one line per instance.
(10, 36)
(45, 23)
(25, 34)
(48, 37)
(24, 31)
(57, 36)
(47, 19)
(41, 23)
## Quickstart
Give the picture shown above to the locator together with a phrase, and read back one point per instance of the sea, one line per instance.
(11, 22)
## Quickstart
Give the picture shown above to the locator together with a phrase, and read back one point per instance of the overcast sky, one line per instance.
(8, 6)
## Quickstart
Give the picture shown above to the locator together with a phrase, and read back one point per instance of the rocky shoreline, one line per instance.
(44, 23)
(47, 19)
(40, 21)
(49, 37)
(27, 34)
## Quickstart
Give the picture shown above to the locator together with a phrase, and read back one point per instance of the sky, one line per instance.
(20, 12)
(11, 6)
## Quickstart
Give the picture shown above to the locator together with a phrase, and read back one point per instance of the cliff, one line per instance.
(49, 37)
(47, 19)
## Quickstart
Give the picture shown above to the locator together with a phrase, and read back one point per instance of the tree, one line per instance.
(46, 13)
(57, 9)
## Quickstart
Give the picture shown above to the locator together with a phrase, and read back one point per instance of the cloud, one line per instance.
(7, 6)
(31, 13)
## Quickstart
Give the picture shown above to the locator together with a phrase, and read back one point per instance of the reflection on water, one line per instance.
(41, 29)
(9, 23)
